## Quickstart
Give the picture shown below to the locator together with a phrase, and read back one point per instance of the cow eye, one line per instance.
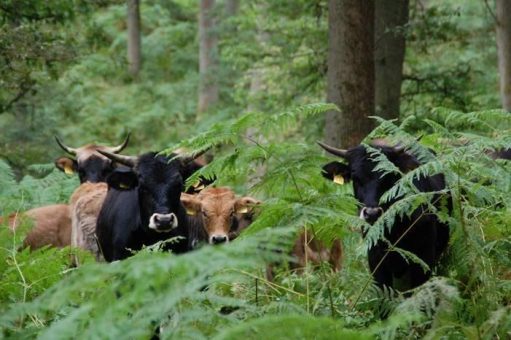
(204, 214)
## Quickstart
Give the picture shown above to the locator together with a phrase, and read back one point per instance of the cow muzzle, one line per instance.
(163, 222)
(219, 238)
(371, 214)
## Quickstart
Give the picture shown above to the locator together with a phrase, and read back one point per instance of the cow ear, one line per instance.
(245, 205)
(190, 203)
(337, 172)
(122, 179)
(68, 165)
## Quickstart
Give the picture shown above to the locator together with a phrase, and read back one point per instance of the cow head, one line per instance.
(220, 211)
(368, 184)
(159, 181)
(91, 165)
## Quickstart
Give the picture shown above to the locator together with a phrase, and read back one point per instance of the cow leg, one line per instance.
(335, 258)
(381, 273)
(120, 251)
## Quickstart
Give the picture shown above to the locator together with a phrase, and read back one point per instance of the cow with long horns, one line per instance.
(421, 233)
(91, 165)
(142, 206)
(52, 224)
(92, 168)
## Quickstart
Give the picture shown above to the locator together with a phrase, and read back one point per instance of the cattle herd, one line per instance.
(124, 203)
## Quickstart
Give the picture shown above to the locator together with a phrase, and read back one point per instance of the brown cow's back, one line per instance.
(308, 249)
(51, 226)
(85, 205)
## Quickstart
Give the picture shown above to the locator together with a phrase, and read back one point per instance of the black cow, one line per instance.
(422, 234)
(89, 163)
(143, 205)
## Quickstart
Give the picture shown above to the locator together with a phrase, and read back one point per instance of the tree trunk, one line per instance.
(208, 55)
(257, 77)
(350, 73)
(134, 53)
(504, 51)
(390, 18)
(232, 7)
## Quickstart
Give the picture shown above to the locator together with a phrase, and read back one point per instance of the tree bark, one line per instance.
(350, 73)
(390, 18)
(504, 51)
(208, 57)
(134, 49)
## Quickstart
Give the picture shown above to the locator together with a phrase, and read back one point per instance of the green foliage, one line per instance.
(150, 290)
(297, 327)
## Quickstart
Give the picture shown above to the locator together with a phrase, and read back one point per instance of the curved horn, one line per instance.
(188, 158)
(119, 148)
(130, 161)
(334, 151)
(71, 151)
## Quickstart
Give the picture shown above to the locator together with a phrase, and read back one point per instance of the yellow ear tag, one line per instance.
(242, 210)
(123, 186)
(190, 212)
(338, 179)
(68, 169)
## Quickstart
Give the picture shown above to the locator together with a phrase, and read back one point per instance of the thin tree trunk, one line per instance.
(208, 55)
(390, 18)
(134, 49)
(504, 51)
(350, 71)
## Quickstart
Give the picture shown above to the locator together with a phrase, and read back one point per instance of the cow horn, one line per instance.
(188, 158)
(119, 148)
(399, 148)
(334, 151)
(67, 149)
(130, 161)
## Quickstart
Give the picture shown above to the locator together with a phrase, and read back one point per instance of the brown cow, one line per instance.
(86, 200)
(51, 226)
(223, 216)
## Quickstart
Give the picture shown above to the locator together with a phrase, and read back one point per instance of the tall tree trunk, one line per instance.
(390, 18)
(350, 71)
(504, 51)
(257, 84)
(232, 7)
(208, 55)
(134, 50)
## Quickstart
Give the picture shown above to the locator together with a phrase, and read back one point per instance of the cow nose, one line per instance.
(371, 214)
(163, 222)
(217, 239)
(163, 219)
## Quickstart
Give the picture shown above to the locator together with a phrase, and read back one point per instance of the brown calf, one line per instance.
(51, 226)
(221, 214)
(308, 250)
